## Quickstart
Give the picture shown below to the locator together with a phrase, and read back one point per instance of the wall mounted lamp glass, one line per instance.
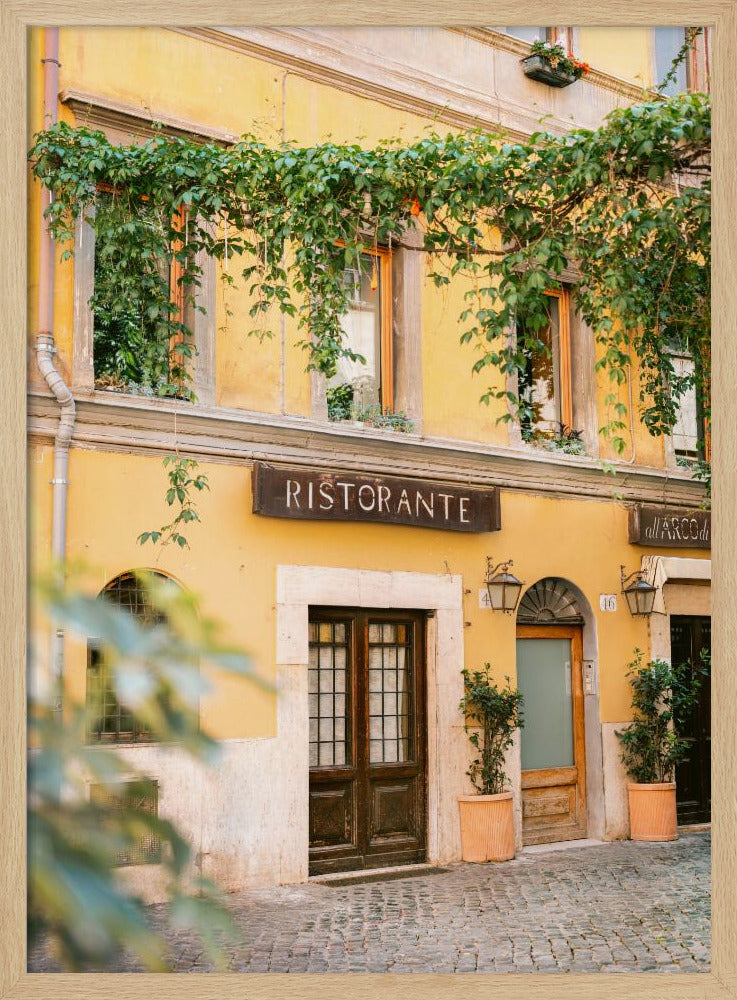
(639, 593)
(503, 587)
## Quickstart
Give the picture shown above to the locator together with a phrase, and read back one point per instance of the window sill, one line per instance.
(130, 394)
(221, 433)
(548, 447)
(536, 449)
(371, 426)
(106, 744)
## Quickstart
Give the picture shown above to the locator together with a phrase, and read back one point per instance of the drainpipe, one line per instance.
(45, 351)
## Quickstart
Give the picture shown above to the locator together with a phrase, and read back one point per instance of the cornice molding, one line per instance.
(112, 422)
(310, 53)
(99, 111)
(283, 48)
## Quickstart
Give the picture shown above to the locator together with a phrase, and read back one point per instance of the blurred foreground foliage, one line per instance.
(76, 901)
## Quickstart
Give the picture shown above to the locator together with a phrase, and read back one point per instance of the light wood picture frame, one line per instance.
(15, 18)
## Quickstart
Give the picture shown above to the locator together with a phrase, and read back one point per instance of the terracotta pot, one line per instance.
(487, 827)
(653, 811)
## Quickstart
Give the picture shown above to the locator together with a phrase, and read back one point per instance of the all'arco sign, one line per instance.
(669, 527)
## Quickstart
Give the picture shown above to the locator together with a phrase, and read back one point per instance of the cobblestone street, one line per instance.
(621, 907)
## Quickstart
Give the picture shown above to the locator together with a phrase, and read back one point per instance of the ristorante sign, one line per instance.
(341, 496)
(670, 527)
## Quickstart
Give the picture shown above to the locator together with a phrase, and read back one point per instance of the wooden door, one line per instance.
(549, 674)
(688, 636)
(367, 739)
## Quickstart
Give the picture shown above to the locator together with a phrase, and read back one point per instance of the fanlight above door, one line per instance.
(549, 602)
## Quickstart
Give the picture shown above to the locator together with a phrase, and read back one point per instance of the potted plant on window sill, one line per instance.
(565, 439)
(548, 63)
(487, 818)
(343, 407)
(662, 696)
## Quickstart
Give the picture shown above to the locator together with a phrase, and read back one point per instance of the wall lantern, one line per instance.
(639, 593)
(504, 588)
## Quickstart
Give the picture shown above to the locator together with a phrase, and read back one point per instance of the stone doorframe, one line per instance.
(298, 587)
(688, 583)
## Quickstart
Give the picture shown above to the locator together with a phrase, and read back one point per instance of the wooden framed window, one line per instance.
(128, 351)
(531, 34)
(691, 435)
(545, 381)
(109, 721)
(367, 326)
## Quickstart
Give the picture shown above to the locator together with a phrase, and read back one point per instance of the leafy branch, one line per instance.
(672, 74)
(181, 483)
(76, 902)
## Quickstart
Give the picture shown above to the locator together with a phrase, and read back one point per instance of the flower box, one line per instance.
(538, 68)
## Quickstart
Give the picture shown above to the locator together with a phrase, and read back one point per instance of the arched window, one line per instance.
(109, 720)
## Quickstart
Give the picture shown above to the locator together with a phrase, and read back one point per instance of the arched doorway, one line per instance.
(553, 745)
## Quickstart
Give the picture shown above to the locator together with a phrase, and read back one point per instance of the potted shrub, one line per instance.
(487, 819)
(652, 745)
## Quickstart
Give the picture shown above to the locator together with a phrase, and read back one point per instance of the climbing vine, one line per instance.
(182, 481)
(625, 209)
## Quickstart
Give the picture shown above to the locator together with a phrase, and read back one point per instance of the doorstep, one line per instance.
(560, 845)
(694, 827)
(375, 874)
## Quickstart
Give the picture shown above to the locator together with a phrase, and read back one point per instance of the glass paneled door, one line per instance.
(366, 683)
(549, 675)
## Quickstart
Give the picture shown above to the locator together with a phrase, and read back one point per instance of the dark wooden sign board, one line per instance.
(310, 494)
(669, 527)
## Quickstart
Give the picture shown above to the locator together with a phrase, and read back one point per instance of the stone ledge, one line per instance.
(114, 422)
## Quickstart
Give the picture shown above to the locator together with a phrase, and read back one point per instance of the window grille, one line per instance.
(141, 795)
(110, 721)
(328, 679)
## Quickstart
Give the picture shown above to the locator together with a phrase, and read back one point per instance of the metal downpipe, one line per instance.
(45, 351)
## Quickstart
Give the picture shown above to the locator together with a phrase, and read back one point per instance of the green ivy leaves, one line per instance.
(181, 483)
(626, 207)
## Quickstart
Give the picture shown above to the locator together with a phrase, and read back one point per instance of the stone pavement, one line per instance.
(620, 907)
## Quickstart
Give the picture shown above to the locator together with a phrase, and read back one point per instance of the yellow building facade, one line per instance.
(364, 622)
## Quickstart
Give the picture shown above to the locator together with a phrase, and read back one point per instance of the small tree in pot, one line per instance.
(652, 745)
(495, 713)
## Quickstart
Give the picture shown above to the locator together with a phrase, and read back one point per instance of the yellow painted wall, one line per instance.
(452, 391)
(169, 73)
(623, 52)
(641, 447)
(231, 566)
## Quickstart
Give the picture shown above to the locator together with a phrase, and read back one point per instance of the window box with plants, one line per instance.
(493, 714)
(548, 63)
(652, 745)
(563, 439)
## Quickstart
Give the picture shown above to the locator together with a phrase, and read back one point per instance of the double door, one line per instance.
(366, 683)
